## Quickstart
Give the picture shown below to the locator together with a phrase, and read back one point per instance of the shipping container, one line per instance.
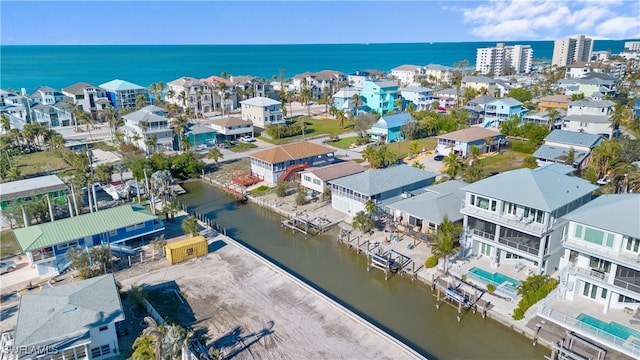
(184, 250)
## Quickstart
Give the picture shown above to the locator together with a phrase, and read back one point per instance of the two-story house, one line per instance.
(421, 97)
(544, 118)
(316, 179)
(45, 245)
(343, 100)
(280, 163)
(88, 98)
(69, 321)
(231, 128)
(55, 115)
(510, 217)
(389, 128)
(407, 74)
(46, 95)
(262, 112)
(599, 291)
(123, 94)
(350, 193)
(589, 84)
(558, 144)
(590, 116)
(188, 92)
(379, 96)
(438, 74)
(480, 84)
(475, 108)
(554, 102)
(147, 124)
(503, 109)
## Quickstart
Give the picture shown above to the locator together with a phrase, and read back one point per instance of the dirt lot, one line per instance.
(250, 309)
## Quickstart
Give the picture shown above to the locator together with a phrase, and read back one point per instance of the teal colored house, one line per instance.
(499, 110)
(389, 128)
(378, 96)
(200, 135)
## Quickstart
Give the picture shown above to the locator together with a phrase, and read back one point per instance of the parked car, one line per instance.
(438, 157)
(248, 139)
(7, 266)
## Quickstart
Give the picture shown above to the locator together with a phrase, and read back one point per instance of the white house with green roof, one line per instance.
(513, 217)
(350, 193)
(46, 244)
(71, 321)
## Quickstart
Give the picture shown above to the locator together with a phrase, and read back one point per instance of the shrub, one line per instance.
(301, 198)
(431, 261)
(523, 147)
(533, 289)
(491, 288)
(281, 189)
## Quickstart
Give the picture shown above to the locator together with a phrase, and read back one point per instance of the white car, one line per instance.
(248, 139)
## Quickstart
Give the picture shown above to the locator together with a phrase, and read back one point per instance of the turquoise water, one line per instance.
(612, 328)
(494, 277)
(59, 66)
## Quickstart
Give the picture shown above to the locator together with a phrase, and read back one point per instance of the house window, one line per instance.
(100, 351)
(509, 208)
(103, 328)
(135, 227)
(632, 244)
(113, 232)
(599, 264)
(67, 245)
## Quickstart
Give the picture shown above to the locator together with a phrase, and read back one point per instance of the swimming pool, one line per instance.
(494, 278)
(612, 328)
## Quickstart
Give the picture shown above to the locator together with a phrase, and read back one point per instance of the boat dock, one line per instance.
(308, 223)
(461, 295)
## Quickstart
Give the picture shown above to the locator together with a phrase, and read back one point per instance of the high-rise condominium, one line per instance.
(570, 50)
(501, 59)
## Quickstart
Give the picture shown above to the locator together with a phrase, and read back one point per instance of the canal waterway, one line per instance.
(403, 308)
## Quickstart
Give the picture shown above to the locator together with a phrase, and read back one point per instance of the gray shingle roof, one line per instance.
(557, 153)
(337, 170)
(67, 310)
(540, 188)
(573, 138)
(377, 181)
(478, 79)
(617, 213)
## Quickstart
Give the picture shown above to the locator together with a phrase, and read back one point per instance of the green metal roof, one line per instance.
(60, 231)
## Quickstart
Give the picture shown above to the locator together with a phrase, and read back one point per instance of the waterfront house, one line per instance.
(590, 116)
(249, 86)
(343, 100)
(503, 109)
(599, 288)
(461, 141)
(70, 321)
(123, 94)
(191, 93)
(224, 95)
(231, 128)
(16, 193)
(357, 79)
(316, 179)
(421, 97)
(559, 143)
(200, 136)
(481, 84)
(510, 217)
(319, 82)
(46, 95)
(45, 245)
(262, 112)
(389, 128)
(350, 193)
(88, 98)
(554, 102)
(407, 74)
(379, 96)
(280, 163)
(147, 124)
(543, 118)
(425, 210)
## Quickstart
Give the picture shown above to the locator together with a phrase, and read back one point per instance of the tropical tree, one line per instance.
(157, 89)
(362, 222)
(341, 118)
(357, 102)
(370, 207)
(222, 90)
(110, 115)
(160, 185)
(552, 114)
(103, 173)
(156, 333)
(190, 226)
(621, 115)
(143, 348)
(151, 143)
(5, 124)
(305, 95)
(453, 163)
(87, 120)
(141, 101)
(215, 154)
(180, 125)
(446, 240)
(473, 173)
(520, 94)
(414, 147)
(418, 165)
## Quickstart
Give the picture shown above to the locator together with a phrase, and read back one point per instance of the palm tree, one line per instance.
(357, 102)
(184, 143)
(143, 348)
(157, 89)
(370, 207)
(446, 240)
(553, 114)
(156, 333)
(188, 112)
(453, 162)
(141, 101)
(74, 110)
(362, 222)
(215, 154)
(474, 152)
(111, 116)
(5, 123)
(190, 226)
(182, 96)
(222, 87)
(87, 121)
(305, 95)
(371, 154)
(621, 115)
(473, 173)
(150, 143)
(180, 124)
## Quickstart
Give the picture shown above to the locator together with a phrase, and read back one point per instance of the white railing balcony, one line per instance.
(592, 274)
(482, 234)
(627, 285)
(519, 246)
(524, 224)
(626, 259)
(623, 345)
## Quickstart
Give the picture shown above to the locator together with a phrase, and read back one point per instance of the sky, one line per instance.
(311, 22)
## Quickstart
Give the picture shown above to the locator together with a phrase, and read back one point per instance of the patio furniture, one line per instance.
(529, 272)
(519, 266)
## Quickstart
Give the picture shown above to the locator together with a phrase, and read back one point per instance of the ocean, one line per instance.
(30, 67)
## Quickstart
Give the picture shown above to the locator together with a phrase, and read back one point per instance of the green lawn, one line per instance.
(506, 161)
(40, 163)
(8, 244)
(243, 147)
(314, 127)
(402, 148)
(344, 143)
